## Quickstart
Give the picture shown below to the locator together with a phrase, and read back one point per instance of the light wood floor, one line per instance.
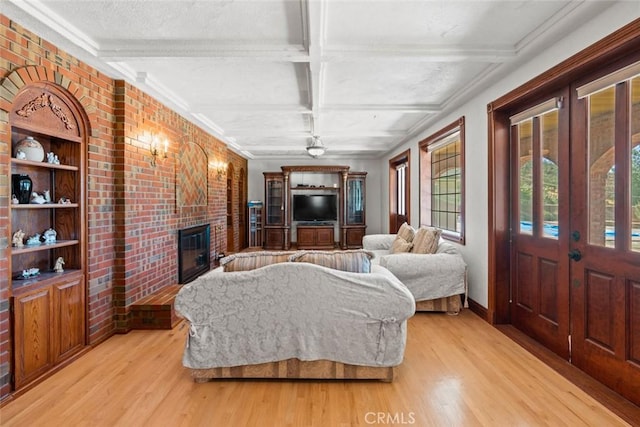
(458, 371)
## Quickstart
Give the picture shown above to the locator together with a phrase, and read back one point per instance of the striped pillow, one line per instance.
(426, 240)
(355, 261)
(400, 245)
(406, 232)
(251, 260)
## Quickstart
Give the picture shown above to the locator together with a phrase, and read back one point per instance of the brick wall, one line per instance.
(131, 207)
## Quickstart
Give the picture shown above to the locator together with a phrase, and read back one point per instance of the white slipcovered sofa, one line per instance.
(295, 319)
(437, 281)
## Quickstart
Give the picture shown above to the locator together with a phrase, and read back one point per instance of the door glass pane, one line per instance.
(601, 192)
(635, 164)
(525, 145)
(274, 202)
(549, 176)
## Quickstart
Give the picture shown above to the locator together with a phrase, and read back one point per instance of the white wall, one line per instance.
(476, 140)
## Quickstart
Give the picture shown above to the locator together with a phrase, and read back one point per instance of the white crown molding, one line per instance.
(39, 11)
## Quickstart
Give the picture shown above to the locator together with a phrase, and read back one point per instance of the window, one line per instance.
(401, 176)
(399, 190)
(442, 181)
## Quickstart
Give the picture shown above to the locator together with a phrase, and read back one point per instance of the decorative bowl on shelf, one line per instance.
(30, 148)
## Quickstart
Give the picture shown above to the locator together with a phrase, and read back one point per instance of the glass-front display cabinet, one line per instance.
(275, 190)
(355, 213)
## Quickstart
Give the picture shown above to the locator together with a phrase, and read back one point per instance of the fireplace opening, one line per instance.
(193, 252)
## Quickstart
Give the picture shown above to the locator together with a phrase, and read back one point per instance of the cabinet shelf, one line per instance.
(43, 247)
(43, 165)
(41, 279)
(45, 206)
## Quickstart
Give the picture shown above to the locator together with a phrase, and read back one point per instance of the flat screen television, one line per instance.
(315, 207)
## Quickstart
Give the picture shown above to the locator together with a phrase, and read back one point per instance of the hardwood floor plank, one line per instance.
(458, 371)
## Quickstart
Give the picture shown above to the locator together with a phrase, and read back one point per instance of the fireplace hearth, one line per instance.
(193, 252)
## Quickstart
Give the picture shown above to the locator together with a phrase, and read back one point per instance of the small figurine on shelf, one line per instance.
(64, 201)
(38, 199)
(14, 200)
(21, 155)
(30, 272)
(50, 236)
(53, 159)
(34, 240)
(18, 237)
(58, 267)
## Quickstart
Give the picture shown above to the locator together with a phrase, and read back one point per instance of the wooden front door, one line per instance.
(540, 216)
(575, 281)
(605, 223)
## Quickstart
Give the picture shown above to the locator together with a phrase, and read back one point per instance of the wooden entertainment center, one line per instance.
(279, 223)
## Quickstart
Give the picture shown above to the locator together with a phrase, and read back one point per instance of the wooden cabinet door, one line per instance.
(68, 318)
(32, 334)
(274, 238)
(354, 237)
(324, 237)
(306, 237)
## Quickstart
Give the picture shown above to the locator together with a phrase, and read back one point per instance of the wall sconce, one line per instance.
(157, 152)
(221, 169)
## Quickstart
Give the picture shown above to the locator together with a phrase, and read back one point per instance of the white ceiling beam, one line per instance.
(283, 133)
(314, 52)
(328, 108)
(253, 108)
(314, 37)
(422, 53)
(137, 49)
(256, 150)
(400, 108)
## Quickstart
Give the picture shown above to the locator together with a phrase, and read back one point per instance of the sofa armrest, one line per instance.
(428, 276)
(376, 242)
(422, 263)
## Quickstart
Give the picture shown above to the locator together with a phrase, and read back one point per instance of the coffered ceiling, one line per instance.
(264, 76)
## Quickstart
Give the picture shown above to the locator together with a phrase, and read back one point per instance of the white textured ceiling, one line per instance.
(266, 75)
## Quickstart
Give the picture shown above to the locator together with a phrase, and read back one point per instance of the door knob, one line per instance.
(575, 255)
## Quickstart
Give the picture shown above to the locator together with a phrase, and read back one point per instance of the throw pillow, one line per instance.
(400, 245)
(426, 240)
(251, 260)
(406, 232)
(356, 261)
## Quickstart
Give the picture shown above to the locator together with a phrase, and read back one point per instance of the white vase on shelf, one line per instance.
(31, 149)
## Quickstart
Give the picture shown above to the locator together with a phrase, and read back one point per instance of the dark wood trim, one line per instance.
(603, 394)
(404, 157)
(445, 131)
(479, 310)
(316, 169)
